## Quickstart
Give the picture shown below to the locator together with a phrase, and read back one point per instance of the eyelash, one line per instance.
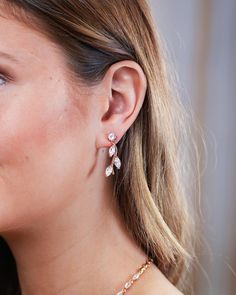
(3, 78)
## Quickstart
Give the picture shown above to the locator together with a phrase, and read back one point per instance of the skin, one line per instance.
(56, 209)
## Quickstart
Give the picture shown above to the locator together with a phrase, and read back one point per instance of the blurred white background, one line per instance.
(201, 39)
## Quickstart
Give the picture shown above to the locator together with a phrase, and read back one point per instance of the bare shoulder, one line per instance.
(153, 282)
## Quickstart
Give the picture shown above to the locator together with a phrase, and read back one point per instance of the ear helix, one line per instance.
(112, 153)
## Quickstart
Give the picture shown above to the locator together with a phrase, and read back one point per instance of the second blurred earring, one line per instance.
(112, 153)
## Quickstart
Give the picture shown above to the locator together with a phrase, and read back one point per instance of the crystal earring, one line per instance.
(113, 153)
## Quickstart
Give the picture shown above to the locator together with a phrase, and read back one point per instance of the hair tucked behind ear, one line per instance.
(149, 187)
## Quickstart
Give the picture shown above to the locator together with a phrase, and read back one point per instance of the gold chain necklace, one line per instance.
(136, 276)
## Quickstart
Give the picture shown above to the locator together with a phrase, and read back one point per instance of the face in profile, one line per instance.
(44, 134)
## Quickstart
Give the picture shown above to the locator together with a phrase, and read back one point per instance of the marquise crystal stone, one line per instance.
(136, 276)
(117, 162)
(128, 284)
(109, 170)
(112, 136)
(112, 150)
(120, 293)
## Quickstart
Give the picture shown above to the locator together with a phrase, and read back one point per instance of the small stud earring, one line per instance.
(113, 153)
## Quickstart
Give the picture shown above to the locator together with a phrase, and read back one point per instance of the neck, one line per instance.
(83, 249)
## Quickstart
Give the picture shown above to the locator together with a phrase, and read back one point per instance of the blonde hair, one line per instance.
(150, 186)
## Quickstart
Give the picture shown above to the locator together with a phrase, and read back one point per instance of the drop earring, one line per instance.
(112, 153)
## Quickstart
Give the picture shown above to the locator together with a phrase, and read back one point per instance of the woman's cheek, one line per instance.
(39, 154)
(31, 118)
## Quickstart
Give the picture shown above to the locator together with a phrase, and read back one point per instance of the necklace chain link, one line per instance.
(136, 276)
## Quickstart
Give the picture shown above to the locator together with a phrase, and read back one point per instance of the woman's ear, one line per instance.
(125, 84)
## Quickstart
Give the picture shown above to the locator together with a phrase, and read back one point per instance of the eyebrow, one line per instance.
(9, 57)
